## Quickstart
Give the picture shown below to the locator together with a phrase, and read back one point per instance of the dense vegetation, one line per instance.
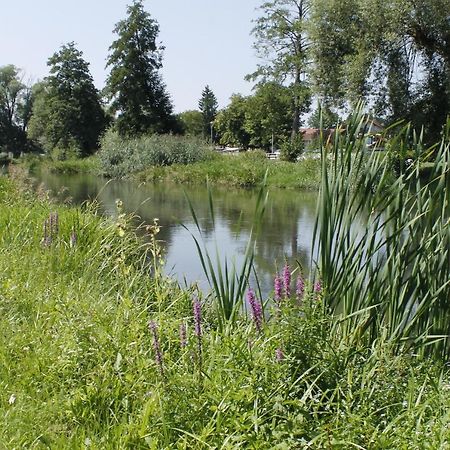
(119, 157)
(100, 349)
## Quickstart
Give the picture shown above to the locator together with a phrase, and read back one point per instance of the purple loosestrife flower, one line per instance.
(279, 355)
(54, 223)
(197, 309)
(156, 346)
(317, 287)
(287, 280)
(300, 287)
(183, 335)
(47, 239)
(256, 308)
(278, 289)
(73, 239)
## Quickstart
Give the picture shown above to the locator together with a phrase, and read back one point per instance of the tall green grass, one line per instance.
(390, 276)
(119, 157)
(79, 368)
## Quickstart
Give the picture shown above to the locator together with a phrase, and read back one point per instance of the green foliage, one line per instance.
(13, 119)
(282, 43)
(242, 170)
(134, 86)
(67, 116)
(292, 149)
(230, 123)
(122, 156)
(323, 117)
(269, 115)
(79, 367)
(394, 55)
(389, 277)
(191, 123)
(208, 107)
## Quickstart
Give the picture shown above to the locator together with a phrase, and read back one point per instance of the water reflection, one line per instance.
(286, 233)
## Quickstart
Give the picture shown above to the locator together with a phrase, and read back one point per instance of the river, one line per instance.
(286, 232)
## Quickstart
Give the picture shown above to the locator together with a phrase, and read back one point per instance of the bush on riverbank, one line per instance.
(120, 157)
(241, 170)
(81, 367)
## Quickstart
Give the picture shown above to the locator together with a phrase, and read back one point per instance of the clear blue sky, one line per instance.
(207, 41)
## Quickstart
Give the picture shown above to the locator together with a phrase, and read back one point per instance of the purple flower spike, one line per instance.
(156, 346)
(317, 287)
(183, 335)
(278, 289)
(73, 239)
(197, 308)
(300, 288)
(256, 308)
(279, 355)
(287, 280)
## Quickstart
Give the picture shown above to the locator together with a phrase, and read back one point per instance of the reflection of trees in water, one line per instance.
(284, 235)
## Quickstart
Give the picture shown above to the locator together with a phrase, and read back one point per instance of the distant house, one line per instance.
(311, 136)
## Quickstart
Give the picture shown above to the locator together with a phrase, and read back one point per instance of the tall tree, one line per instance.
(67, 113)
(208, 107)
(282, 43)
(12, 101)
(134, 86)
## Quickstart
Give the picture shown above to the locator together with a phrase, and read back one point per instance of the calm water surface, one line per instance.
(286, 232)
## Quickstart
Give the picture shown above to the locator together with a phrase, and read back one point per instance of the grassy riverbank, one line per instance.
(81, 367)
(239, 170)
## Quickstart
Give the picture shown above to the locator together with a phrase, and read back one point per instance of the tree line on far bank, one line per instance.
(393, 56)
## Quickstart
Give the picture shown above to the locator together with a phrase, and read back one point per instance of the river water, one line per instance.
(286, 232)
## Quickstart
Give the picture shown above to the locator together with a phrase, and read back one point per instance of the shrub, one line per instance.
(119, 157)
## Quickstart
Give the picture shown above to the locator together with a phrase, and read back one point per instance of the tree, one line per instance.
(67, 114)
(230, 123)
(268, 116)
(395, 55)
(191, 122)
(208, 107)
(134, 86)
(323, 117)
(282, 42)
(12, 101)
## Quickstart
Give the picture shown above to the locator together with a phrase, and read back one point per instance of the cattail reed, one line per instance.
(256, 308)
(156, 346)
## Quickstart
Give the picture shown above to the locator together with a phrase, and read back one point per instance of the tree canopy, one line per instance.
(134, 87)
(67, 113)
(395, 55)
(281, 42)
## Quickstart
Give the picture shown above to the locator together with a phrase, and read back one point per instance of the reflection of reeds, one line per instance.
(394, 276)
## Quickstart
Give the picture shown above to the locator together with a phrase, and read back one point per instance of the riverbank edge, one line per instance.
(244, 170)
